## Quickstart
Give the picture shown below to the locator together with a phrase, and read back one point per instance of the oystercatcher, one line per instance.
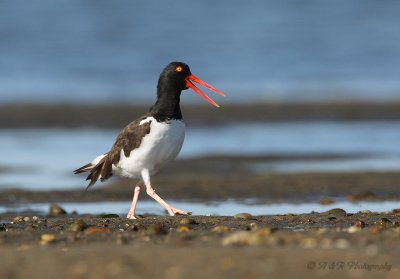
(151, 141)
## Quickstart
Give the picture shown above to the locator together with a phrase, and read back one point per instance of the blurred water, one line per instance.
(45, 158)
(225, 208)
(100, 51)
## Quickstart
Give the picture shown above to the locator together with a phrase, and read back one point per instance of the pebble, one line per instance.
(360, 224)
(56, 210)
(238, 238)
(337, 212)
(18, 219)
(342, 243)
(187, 221)
(220, 229)
(247, 238)
(384, 222)
(353, 229)
(247, 216)
(96, 229)
(26, 219)
(155, 229)
(77, 226)
(35, 218)
(47, 238)
(253, 226)
(366, 211)
(183, 229)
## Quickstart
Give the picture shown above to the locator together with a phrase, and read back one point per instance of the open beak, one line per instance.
(190, 84)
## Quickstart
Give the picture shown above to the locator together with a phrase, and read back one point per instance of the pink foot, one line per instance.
(174, 211)
(131, 216)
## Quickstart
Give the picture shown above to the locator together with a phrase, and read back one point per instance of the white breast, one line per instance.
(157, 148)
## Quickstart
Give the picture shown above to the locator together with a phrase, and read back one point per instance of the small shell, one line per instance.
(247, 216)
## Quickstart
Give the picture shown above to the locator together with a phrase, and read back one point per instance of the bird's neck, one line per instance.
(167, 106)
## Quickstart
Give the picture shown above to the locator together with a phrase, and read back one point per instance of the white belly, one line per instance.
(157, 148)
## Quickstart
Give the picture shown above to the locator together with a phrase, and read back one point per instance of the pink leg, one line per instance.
(131, 213)
(152, 193)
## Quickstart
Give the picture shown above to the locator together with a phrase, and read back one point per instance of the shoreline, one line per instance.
(333, 243)
(207, 187)
(118, 114)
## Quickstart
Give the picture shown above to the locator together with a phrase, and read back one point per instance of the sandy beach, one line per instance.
(328, 244)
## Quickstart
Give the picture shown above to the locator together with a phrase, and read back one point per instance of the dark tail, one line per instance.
(85, 168)
(102, 170)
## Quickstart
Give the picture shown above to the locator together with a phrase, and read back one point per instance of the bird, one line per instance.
(151, 141)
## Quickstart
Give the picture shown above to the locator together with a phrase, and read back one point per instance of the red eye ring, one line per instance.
(179, 69)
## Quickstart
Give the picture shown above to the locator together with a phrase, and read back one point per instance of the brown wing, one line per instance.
(128, 139)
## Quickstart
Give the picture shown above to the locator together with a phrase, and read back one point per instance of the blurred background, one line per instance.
(337, 56)
(102, 51)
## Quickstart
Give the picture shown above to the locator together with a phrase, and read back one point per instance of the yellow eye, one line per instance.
(178, 69)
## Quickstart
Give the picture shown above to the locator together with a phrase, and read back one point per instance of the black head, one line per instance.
(173, 80)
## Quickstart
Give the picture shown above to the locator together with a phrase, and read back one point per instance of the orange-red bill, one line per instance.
(198, 91)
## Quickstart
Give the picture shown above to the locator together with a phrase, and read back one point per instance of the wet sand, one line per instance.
(328, 244)
(206, 179)
(118, 115)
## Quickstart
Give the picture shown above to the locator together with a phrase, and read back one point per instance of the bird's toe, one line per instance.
(131, 216)
(174, 211)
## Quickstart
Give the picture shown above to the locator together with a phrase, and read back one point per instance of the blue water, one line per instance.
(100, 51)
(45, 158)
(225, 208)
